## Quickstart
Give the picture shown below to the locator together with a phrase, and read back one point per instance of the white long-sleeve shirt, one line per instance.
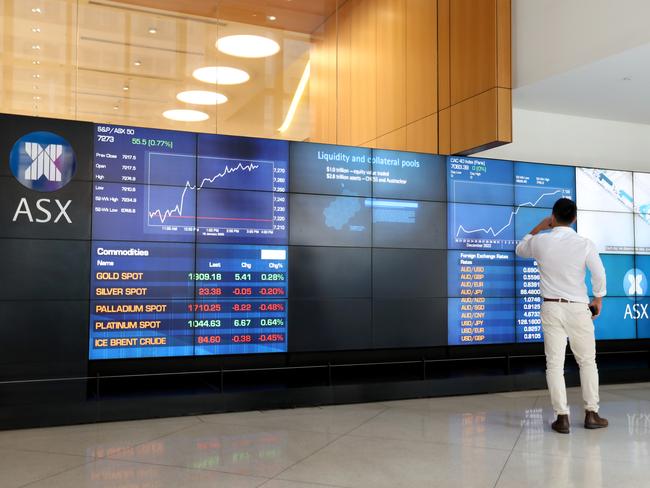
(563, 257)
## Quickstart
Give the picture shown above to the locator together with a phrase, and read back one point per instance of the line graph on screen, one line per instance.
(496, 231)
(239, 194)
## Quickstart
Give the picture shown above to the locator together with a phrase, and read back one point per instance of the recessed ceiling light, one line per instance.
(36, 47)
(153, 30)
(36, 29)
(271, 17)
(137, 62)
(125, 88)
(115, 107)
(36, 61)
(202, 97)
(247, 46)
(221, 75)
(36, 10)
(184, 115)
(36, 76)
(36, 97)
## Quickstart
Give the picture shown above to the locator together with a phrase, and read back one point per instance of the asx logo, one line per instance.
(636, 311)
(635, 283)
(44, 162)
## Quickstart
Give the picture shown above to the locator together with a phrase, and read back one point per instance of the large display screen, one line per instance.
(189, 251)
(191, 234)
(493, 204)
(203, 244)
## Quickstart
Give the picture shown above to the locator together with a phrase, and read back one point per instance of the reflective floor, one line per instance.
(500, 440)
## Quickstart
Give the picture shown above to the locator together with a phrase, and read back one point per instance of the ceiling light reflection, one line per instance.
(202, 97)
(247, 46)
(221, 75)
(184, 115)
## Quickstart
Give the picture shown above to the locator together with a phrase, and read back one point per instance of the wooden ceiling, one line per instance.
(293, 15)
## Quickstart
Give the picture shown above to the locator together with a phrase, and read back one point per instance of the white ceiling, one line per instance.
(596, 90)
(570, 57)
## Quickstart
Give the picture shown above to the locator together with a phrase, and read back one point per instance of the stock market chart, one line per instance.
(188, 235)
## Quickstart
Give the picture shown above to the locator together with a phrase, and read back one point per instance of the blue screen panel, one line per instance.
(541, 185)
(488, 227)
(529, 321)
(141, 270)
(527, 218)
(407, 223)
(480, 320)
(330, 170)
(121, 329)
(245, 289)
(143, 212)
(640, 280)
(529, 328)
(321, 220)
(411, 176)
(242, 163)
(480, 274)
(238, 216)
(140, 298)
(529, 301)
(617, 319)
(621, 276)
(133, 155)
(487, 181)
(641, 311)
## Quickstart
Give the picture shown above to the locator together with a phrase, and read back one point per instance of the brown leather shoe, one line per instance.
(594, 421)
(561, 425)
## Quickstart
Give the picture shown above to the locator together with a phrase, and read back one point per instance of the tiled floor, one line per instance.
(501, 440)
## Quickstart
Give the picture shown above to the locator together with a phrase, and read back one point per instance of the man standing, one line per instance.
(563, 257)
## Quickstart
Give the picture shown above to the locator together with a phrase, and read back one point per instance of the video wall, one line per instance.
(162, 243)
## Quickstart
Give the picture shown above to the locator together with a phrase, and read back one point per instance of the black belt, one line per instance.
(560, 300)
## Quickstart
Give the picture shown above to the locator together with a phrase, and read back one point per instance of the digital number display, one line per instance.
(475, 277)
(484, 181)
(190, 235)
(184, 255)
(150, 300)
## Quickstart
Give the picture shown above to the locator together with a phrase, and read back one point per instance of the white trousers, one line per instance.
(572, 321)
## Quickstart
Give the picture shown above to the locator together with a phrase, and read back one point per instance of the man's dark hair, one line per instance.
(565, 211)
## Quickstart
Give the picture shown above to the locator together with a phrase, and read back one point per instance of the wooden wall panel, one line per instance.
(481, 122)
(344, 87)
(395, 140)
(421, 59)
(504, 115)
(504, 44)
(419, 75)
(473, 58)
(317, 88)
(422, 135)
(331, 55)
(391, 65)
(444, 75)
(444, 131)
(363, 75)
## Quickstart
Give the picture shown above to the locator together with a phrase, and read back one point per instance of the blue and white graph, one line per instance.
(541, 185)
(167, 206)
(481, 227)
(233, 201)
(532, 186)
(486, 181)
